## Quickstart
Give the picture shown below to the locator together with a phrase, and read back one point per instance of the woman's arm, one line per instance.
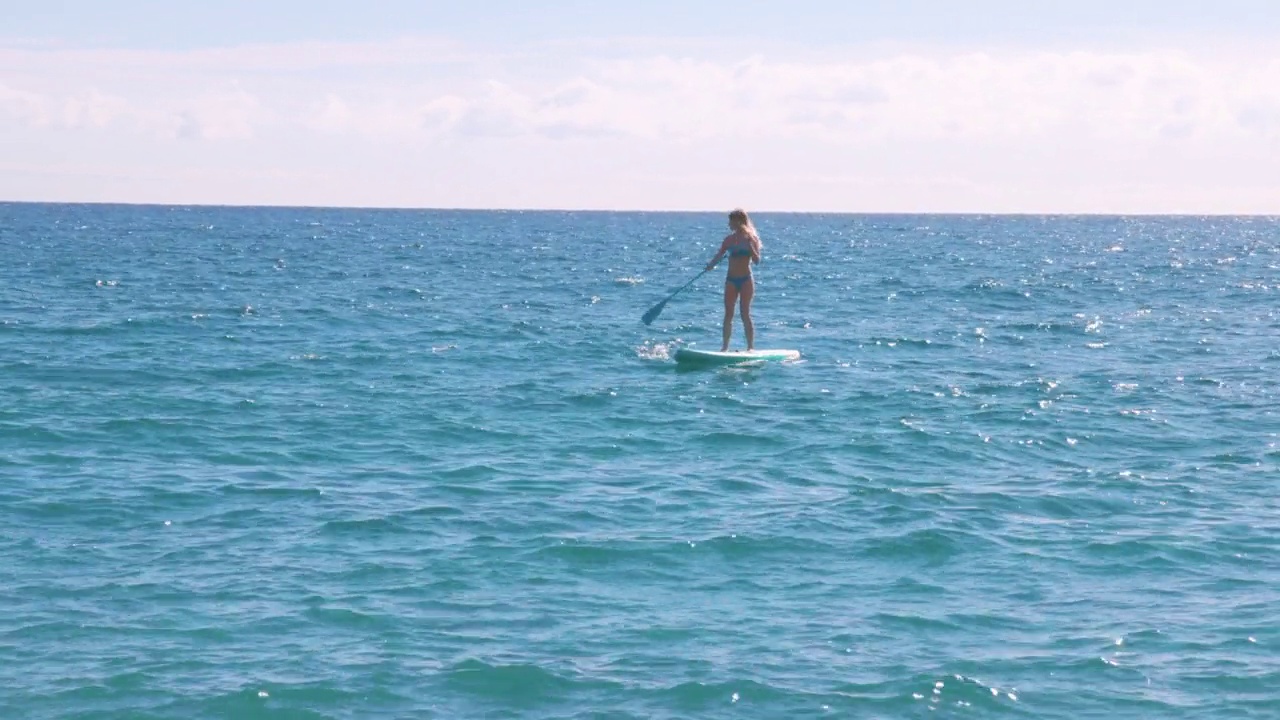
(724, 246)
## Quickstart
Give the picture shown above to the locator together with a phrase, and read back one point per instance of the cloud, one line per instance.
(92, 109)
(284, 58)
(332, 115)
(220, 115)
(1139, 96)
(988, 123)
(24, 107)
(226, 114)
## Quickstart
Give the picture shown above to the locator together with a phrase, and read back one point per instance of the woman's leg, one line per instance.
(749, 327)
(730, 298)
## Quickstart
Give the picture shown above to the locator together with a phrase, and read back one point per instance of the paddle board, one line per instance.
(690, 356)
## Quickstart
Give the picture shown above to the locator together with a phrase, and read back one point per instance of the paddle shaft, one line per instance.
(682, 287)
(657, 309)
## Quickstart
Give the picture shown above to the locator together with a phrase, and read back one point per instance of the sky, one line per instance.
(991, 106)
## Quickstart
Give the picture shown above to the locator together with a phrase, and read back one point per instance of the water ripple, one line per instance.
(344, 464)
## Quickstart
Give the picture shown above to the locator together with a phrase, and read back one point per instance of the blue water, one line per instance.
(308, 463)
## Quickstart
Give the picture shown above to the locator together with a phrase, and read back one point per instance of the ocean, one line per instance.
(349, 464)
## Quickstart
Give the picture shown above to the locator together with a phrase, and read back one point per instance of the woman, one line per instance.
(743, 246)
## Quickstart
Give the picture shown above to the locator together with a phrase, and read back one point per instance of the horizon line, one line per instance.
(649, 211)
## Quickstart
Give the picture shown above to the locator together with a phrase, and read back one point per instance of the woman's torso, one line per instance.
(740, 248)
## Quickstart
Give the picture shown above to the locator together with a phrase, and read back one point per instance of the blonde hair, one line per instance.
(739, 219)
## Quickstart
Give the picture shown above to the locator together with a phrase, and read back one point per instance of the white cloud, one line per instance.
(332, 115)
(24, 107)
(229, 114)
(1006, 129)
(92, 109)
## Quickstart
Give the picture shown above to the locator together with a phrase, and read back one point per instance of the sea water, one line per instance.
(321, 463)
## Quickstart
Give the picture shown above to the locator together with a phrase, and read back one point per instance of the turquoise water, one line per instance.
(306, 463)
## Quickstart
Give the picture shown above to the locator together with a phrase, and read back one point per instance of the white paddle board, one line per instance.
(690, 356)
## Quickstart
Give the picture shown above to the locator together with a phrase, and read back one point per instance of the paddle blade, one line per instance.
(654, 312)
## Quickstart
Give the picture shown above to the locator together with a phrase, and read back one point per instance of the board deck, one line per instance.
(691, 356)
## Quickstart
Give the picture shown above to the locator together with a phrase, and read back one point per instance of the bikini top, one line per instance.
(740, 250)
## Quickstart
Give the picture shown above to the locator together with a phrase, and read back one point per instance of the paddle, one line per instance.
(656, 310)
